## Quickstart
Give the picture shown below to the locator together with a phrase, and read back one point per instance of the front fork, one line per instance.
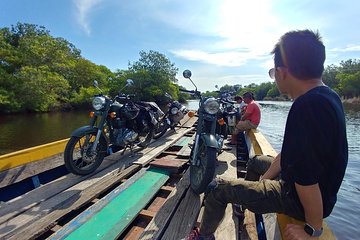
(100, 129)
(195, 161)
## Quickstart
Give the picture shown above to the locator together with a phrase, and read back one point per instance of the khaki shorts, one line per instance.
(243, 126)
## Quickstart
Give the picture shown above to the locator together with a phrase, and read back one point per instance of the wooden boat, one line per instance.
(146, 196)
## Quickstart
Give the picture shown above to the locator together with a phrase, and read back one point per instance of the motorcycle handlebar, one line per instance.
(190, 91)
(124, 97)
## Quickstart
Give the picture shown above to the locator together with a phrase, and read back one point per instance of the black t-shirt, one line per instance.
(315, 148)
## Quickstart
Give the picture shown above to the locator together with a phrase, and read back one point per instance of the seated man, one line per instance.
(313, 159)
(251, 117)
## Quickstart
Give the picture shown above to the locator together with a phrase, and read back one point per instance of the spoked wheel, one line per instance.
(145, 138)
(202, 175)
(78, 156)
(161, 129)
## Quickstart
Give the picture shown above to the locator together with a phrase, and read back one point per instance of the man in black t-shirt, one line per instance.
(314, 154)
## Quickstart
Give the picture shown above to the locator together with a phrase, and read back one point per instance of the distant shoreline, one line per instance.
(348, 101)
(354, 101)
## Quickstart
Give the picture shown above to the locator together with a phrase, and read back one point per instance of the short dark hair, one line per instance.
(237, 98)
(302, 52)
(248, 95)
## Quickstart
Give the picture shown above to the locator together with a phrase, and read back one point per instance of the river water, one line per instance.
(28, 130)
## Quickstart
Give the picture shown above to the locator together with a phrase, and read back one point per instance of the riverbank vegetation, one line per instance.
(40, 73)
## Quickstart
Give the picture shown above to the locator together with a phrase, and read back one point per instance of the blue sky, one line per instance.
(220, 41)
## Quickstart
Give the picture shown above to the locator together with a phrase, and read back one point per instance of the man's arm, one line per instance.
(245, 116)
(311, 200)
(274, 169)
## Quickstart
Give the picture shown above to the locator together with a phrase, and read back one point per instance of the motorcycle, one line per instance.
(209, 138)
(176, 112)
(118, 123)
(229, 112)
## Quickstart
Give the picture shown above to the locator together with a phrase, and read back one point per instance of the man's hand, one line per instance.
(274, 169)
(295, 232)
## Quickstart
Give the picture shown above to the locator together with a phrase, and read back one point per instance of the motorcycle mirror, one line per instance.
(96, 84)
(167, 95)
(187, 73)
(216, 86)
(129, 82)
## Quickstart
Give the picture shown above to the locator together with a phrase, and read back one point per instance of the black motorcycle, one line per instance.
(228, 110)
(118, 123)
(210, 131)
(176, 112)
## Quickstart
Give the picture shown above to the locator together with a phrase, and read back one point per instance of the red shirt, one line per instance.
(254, 112)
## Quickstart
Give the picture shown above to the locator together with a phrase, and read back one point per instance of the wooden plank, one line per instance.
(283, 220)
(170, 164)
(184, 141)
(189, 123)
(185, 217)
(170, 139)
(184, 119)
(262, 142)
(33, 154)
(127, 202)
(146, 214)
(185, 151)
(38, 219)
(22, 203)
(16, 174)
(228, 228)
(271, 226)
(157, 226)
(250, 225)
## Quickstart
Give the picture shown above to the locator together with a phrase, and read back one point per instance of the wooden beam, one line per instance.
(170, 139)
(157, 226)
(126, 202)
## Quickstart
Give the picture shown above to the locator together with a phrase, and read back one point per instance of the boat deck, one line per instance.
(102, 205)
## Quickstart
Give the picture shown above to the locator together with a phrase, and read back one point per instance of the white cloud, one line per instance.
(228, 33)
(230, 58)
(348, 48)
(84, 8)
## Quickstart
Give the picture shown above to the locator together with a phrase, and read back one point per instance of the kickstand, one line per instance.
(131, 150)
(122, 153)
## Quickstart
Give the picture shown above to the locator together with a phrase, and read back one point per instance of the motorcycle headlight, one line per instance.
(211, 106)
(174, 111)
(98, 103)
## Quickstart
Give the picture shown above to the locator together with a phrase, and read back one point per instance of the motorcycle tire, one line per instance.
(147, 139)
(76, 153)
(161, 129)
(202, 175)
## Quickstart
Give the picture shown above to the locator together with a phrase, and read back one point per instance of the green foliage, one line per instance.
(273, 92)
(157, 64)
(344, 78)
(40, 73)
(349, 85)
(154, 75)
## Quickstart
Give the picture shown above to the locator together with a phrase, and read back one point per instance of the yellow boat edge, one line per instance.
(33, 154)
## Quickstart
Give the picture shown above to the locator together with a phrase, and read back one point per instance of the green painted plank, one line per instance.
(183, 141)
(111, 220)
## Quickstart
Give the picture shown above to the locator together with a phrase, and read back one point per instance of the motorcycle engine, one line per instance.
(176, 118)
(125, 136)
